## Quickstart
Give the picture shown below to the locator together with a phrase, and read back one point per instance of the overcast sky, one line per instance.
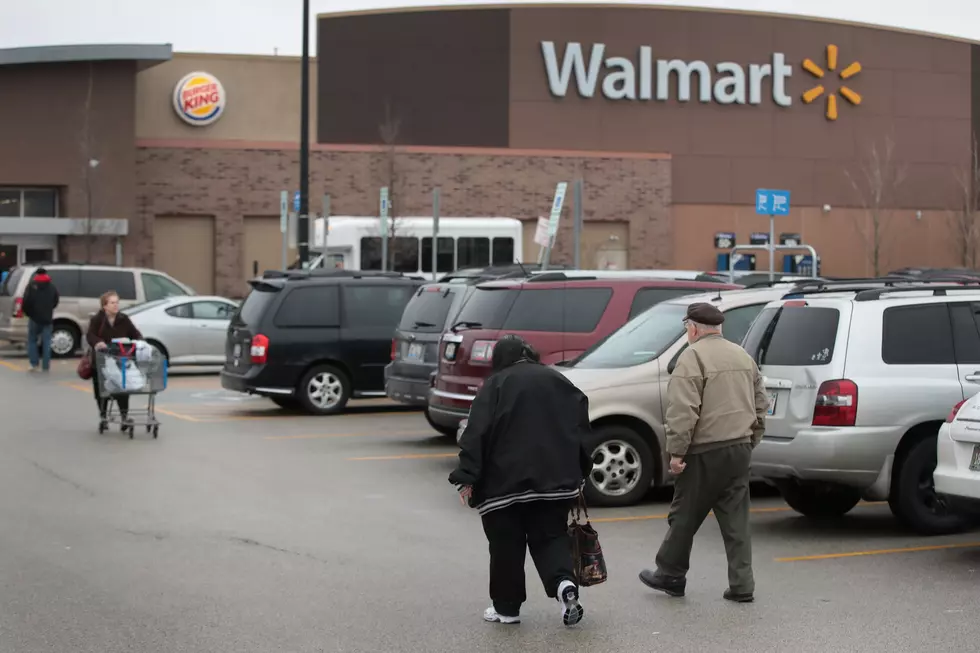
(267, 26)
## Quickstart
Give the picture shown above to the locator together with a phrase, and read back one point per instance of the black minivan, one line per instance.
(315, 339)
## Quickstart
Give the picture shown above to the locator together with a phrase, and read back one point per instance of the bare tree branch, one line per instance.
(87, 147)
(880, 177)
(965, 219)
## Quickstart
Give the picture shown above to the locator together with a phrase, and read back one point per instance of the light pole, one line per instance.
(303, 220)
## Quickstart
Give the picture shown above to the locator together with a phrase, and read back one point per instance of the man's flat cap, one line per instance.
(704, 313)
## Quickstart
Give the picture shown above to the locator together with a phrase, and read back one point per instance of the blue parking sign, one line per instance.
(296, 202)
(772, 202)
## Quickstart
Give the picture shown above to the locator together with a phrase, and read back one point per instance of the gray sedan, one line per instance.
(188, 330)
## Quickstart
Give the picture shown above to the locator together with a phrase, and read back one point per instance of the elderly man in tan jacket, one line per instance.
(716, 412)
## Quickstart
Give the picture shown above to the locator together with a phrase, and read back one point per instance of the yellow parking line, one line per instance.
(854, 554)
(182, 416)
(316, 436)
(608, 520)
(14, 366)
(411, 456)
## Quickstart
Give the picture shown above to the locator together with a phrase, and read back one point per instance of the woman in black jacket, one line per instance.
(522, 463)
(105, 325)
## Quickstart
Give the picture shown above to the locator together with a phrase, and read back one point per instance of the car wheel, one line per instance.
(819, 500)
(324, 390)
(65, 339)
(448, 431)
(622, 467)
(914, 500)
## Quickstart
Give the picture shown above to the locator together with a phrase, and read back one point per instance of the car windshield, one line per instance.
(640, 340)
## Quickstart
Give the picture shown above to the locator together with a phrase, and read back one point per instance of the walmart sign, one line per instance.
(642, 78)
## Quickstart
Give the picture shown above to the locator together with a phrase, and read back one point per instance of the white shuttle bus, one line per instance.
(354, 243)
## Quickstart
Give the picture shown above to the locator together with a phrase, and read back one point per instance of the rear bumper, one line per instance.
(14, 332)
(448, 417)
(852, 456)
(413, 391)
(953, 477)
(251, 383)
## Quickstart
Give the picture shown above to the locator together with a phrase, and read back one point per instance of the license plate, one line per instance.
(975, 462)
(772, 403)
(238, 351)
(415, 352)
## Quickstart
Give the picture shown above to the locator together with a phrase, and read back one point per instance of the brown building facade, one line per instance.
(671, 118)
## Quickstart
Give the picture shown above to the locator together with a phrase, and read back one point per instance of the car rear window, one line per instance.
(487, 308)
(9, 286)
(254, 305)
(558, 310)
(428, 310)
(793, 336)
(309, 308)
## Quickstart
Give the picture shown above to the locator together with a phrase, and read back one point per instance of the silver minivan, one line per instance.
(80, 286)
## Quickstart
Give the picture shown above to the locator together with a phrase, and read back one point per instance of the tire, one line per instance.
(819, 500)
(913, 499)
(66, 339)
(286, 403)
(335, 388)
(622, 467)
(448, 431)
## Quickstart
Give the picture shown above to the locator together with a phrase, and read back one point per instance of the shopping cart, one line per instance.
(128, 368)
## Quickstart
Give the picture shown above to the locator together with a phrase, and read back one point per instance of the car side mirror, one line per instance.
(673, 361)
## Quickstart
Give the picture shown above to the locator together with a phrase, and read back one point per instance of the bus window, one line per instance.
(446, 255)
(503, 251)
(473, 252)
(403, 252)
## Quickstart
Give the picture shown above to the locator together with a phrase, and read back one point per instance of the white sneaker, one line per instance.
(571, 610)
(491, 615)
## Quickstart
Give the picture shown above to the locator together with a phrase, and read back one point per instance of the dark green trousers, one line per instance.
(714, 480)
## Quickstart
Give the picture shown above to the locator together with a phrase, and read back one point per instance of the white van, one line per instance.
(354, 243)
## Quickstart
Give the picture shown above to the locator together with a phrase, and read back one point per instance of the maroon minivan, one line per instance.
(560, 315)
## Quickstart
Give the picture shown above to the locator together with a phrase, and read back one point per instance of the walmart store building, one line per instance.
(672, 119)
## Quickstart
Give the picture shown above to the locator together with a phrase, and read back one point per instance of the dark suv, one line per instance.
(560, 314)
(315, 339)
(415, 346)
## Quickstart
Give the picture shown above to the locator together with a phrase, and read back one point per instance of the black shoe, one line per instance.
(744, 597)
(669, 586)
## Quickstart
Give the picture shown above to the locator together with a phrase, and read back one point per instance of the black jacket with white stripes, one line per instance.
(525, 439)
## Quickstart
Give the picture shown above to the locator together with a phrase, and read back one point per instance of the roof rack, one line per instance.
(871, 283)
(330, 272)
(937, 291)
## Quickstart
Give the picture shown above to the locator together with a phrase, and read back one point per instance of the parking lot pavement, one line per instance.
(244, 528)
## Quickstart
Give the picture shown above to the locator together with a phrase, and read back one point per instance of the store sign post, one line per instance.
(283, 222)
(556, 206)
(384, 228)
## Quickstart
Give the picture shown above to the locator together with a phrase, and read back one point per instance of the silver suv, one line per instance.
(859, 385)
(80, 286)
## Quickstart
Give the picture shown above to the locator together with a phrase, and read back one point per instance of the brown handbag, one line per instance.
(84, 368)
(589, 565)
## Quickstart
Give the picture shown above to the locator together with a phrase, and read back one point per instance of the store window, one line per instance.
(28, 202)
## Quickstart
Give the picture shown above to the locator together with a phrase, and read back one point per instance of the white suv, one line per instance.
(859, 385)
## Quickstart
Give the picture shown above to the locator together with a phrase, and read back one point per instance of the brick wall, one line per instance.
(229, 183)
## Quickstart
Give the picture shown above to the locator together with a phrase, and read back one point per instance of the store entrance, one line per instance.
(8, 257)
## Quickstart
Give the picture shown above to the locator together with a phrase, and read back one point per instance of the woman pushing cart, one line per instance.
(123, 365)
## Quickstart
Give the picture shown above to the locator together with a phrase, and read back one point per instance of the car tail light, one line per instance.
(482, 351)
(394, 349)
(260, 350)
(18, 307)
(956, 409)
(837, 403)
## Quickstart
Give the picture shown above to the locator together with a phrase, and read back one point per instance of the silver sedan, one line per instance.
(189, 330)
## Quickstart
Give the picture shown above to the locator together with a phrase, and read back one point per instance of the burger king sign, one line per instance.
(199, 99)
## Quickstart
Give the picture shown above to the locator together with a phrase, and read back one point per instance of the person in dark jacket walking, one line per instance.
(522, 463)
(104, 326)
(40, 300)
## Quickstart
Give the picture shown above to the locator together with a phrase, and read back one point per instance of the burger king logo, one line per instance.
(199, 99)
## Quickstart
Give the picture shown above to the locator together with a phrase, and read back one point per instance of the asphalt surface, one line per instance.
(244, 528)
